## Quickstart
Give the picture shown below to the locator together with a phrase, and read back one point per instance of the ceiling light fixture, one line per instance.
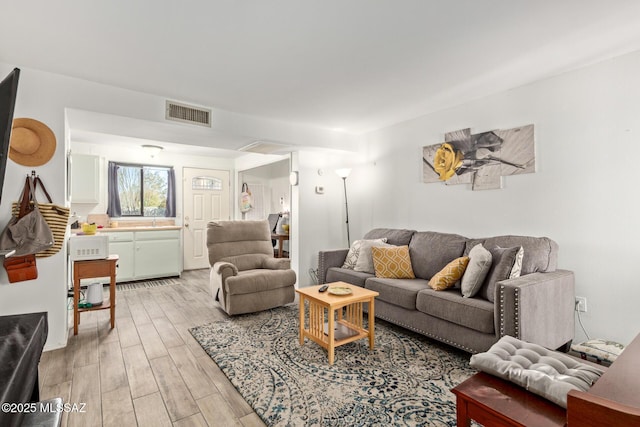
(152, 150)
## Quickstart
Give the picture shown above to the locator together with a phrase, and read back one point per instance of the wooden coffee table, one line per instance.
(328, 329)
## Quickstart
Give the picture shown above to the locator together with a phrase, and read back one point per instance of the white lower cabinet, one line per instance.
(121, 244)
(125, 260)
(157, 253)
(146, 254)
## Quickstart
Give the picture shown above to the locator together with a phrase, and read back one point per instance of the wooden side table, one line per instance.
(280, 238)
(323, 327)
(87, 269)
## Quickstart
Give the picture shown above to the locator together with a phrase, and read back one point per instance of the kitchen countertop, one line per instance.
(142, 228)
(134, 228)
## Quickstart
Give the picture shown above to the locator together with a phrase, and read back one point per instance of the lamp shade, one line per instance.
(344, 172)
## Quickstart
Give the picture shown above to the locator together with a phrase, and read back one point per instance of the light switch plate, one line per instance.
(319, 189)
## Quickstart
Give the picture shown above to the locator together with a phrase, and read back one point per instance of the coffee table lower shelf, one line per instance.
(343, 333)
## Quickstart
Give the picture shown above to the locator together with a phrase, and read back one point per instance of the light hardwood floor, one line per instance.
(148, 370)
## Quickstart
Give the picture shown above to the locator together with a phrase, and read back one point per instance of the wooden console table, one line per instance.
(280, 238)
(492, 401)
(614, 400)
(87, 269)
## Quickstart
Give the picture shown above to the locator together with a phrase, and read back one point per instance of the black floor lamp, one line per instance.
(344, 173)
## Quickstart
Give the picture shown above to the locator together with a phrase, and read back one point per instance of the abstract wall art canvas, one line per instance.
(480, 159)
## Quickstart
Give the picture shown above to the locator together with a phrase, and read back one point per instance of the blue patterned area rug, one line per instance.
(404, 381)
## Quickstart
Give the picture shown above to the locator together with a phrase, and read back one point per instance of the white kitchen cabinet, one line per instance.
(157, 258)
(146, 254)
(122, 244)
(85, 178)
(157, 253)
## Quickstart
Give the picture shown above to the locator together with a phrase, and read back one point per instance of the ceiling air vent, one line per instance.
(188, 114)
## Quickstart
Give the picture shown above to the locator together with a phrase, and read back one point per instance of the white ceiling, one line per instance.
(355, 65)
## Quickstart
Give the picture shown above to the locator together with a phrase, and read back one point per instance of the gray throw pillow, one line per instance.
(501, 266)
(365, 259)
(477, 270)
(354, 252)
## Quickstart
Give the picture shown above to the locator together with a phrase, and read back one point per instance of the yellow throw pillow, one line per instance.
(392, 262)
(450, 274)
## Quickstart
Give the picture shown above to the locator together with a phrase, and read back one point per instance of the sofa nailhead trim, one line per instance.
(502, 310)
(420, 331)
(321, 270)
(515, 312)
(517, 316)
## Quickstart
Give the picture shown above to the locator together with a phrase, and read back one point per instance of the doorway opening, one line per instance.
(271, 195)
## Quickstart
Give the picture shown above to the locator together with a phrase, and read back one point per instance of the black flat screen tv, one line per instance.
(8, 92)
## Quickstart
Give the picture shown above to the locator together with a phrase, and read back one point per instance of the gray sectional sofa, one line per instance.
(537, 307)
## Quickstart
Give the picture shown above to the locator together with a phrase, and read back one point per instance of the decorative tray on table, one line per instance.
(340, 290)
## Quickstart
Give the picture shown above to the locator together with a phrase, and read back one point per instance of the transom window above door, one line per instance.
(206, 183)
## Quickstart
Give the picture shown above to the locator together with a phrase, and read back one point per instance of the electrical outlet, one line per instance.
(581, 304)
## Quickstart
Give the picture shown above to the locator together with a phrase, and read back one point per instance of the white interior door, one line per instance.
(206, 198)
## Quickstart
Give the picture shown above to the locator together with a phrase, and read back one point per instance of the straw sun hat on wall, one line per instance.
(32, 142)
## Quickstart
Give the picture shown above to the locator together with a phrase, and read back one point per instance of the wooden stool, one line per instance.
(89, 269)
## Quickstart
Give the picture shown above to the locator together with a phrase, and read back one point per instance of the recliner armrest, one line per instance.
(220, 272)
(537, 308)
(225, 269)
(277, 263)
(328, 259)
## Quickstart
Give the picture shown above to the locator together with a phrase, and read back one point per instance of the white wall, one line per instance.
(584, 194)
(47, 293)
(320, 220)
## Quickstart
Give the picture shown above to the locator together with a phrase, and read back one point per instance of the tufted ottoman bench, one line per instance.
(522, 384)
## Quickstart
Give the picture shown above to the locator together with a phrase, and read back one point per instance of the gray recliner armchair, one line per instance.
(245, 277)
